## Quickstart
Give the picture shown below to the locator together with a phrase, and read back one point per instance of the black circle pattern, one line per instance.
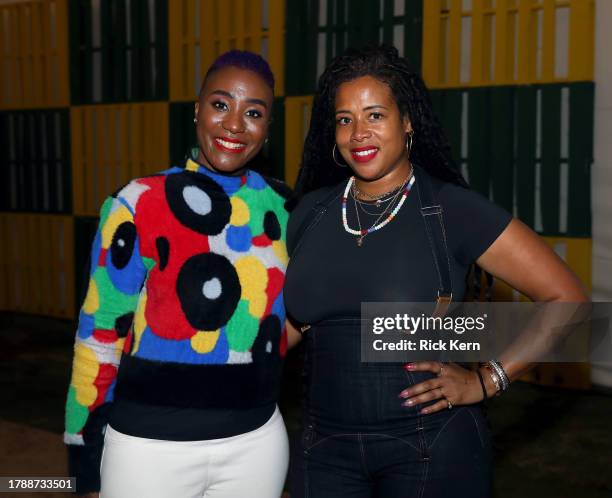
(211, 223)
(122, 245)
(269, 332)
(163, 251)
(272, 227)
(201, 312)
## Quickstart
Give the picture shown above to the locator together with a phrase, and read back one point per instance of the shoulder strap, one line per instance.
(314, 216)
(433, 218)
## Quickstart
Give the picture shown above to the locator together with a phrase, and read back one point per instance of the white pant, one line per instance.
(251, 465)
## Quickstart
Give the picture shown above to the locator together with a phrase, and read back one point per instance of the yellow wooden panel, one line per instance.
(477, 45)
(37, 267)
(223, 26)
(112, 144)
(34, 54)
(276, 44)
(503, 41)
(530, 21)
(297, 113)
(548, 41)
(582, 39)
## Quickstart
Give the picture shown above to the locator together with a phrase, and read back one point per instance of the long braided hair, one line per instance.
(430, 149)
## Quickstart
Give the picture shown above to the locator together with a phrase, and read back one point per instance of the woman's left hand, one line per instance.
(453, 386)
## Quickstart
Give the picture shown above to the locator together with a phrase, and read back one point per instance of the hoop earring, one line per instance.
(335, 160)
(195, 120)
(409, 143)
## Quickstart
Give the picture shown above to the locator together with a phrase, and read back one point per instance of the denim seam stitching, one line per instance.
(445, 424)
(362, 451)
(477, 429)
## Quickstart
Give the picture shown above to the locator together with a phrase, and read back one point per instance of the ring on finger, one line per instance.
(449, 404)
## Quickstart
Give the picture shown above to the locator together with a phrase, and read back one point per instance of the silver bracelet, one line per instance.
(501, 373)
(494, 377)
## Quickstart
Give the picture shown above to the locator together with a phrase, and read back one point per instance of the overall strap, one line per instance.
(314, 216)
(433, 218)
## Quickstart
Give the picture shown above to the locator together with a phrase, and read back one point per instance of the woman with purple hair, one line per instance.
(181, 336)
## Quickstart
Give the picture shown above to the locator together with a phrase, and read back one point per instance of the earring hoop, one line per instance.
(195, 120)
(409, 143)
(335, 160)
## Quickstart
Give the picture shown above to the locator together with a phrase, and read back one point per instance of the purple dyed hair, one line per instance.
(242, 59)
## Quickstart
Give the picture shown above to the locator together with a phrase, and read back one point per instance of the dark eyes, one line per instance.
(374, 116)
(252, 113)
(223, 107)
(220, 106)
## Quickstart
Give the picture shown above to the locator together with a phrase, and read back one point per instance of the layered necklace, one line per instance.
(392, 197)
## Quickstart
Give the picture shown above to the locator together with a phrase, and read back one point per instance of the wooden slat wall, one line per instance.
(34, 54)
(221, 26)
(518, 24)
(38, 264)
(112, 144)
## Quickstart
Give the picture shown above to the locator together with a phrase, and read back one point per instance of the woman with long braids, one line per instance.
(180, 342)
(387, 216)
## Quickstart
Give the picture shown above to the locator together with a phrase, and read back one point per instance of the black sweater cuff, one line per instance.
(84, 464)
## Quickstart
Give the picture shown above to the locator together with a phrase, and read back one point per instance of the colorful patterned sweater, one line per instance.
(184, 306)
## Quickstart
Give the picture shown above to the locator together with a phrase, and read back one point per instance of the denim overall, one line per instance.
(358, 440)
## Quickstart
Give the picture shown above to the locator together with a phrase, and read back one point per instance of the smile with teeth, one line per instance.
(363, 154)
(229, 145)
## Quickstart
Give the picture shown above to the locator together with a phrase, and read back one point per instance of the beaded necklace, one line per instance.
(361, 233)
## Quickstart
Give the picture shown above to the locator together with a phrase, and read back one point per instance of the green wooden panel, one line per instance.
(134, 66)
(363, 19)
(301, 47)
(525, 126)
(348, 23)
(5, 171)
(502, 156)
(35, 161)
(550, 172)
(580, 158)
(479, 139)
(182, 131)
(81, 72)
(501, 163)
(274, 151)
(161, 84)
(413, 32)
(448, 106)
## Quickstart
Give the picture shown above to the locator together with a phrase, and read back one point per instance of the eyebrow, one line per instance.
(230, 96)
(368, 108)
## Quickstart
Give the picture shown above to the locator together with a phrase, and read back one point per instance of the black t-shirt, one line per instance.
(329, 276)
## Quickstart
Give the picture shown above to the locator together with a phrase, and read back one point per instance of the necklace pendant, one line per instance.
(378, 203)
(359, 240)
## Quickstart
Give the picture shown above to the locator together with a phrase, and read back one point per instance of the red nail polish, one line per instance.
(409, 366)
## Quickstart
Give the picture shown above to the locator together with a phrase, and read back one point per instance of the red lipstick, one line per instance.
(230, 145)
(364, 154)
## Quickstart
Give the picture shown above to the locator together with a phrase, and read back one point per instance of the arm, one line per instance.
(116, 276)
(518, 247)
(294, 336)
